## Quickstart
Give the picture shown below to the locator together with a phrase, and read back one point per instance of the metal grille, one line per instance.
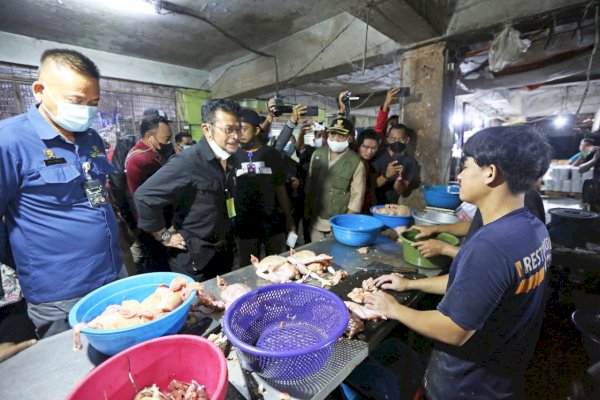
(8, 101)
(122, 103)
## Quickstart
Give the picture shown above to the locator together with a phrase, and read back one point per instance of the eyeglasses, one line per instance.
(396, 139)
(229, 130)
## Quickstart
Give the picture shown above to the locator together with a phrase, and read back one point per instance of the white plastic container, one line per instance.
(587, 175)
(575, 175)
(566, 186)
(565, 172)
(576, 186)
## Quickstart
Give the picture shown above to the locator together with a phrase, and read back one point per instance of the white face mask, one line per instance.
(337, 147)
(219, 152)
(319, 142)
(71, 117)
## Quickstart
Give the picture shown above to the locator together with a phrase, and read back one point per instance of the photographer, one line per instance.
(304, 153)
(276, 109)
(383, 124)
(395, 168)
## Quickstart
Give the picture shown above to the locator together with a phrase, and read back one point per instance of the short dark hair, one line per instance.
(150, 123)
(589, 141)
(368, 134)
(71, 59)
(180, 135)
(210, 106)
(400, 126)
(395, 116)
(520, 152)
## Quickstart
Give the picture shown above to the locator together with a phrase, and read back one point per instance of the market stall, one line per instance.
(51, 368)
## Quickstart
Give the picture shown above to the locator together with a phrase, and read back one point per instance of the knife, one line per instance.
(252, 385)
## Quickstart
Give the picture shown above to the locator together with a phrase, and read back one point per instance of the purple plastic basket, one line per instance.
(285, 332)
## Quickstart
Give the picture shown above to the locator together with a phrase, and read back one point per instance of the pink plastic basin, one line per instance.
(183, 357)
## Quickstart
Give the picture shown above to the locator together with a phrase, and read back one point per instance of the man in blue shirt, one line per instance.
(488, 322)
(62, 230)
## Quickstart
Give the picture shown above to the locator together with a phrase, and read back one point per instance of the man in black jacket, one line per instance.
(198, 183)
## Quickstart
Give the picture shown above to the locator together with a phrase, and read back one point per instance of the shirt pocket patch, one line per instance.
(57, 184)
(59, 173)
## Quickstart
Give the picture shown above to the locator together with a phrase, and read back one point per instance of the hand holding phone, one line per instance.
(403, 92)
(311, 111)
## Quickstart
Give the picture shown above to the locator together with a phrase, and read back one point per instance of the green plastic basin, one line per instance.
(412, 255)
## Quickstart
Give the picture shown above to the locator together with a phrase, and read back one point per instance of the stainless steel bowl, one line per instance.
(428, 218)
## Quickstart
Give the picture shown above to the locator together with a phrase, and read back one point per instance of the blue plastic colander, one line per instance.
(285, 332)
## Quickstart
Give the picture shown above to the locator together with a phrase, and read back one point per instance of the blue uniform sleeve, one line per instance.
(482, 277)
(9, 183)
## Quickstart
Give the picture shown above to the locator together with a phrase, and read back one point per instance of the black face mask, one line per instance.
(247, 145)
(166, 149)
(397, 147)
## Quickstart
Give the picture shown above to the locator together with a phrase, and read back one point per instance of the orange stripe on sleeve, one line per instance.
(519, 268)
(532, 282)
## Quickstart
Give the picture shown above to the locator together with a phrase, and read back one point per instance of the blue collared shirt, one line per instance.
(62, 246)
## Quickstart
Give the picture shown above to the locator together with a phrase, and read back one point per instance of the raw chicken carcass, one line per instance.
(132, 313)
(369, 285)
(267, 263)
(363, 312)
(358, 313)
(207, 302)
(355, 325)
(229, 293)
(397, 210)
(358, 294)
(310, 260)
(275, 269)
(338, 276)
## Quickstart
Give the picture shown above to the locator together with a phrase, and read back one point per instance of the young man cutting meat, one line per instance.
(488, 321)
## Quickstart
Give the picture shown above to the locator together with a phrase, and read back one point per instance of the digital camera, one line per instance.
(279, 108)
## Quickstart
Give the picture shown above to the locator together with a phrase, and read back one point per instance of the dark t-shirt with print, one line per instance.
(386, 193)
(258, 174)
(496, 286)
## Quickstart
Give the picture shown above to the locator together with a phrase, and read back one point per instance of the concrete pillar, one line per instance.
(427, 111)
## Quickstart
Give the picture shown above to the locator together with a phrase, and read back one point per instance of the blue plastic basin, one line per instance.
(355, 229)
(442, 196)
(391, 221)
(137, 287)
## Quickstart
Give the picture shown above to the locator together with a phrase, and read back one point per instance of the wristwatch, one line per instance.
(166, 235)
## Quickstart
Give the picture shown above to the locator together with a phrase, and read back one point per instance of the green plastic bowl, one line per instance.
(412, 255)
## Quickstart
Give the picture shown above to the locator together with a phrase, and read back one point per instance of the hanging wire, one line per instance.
(293, 78)
(369, 5)
(589, 69)
(174, 8)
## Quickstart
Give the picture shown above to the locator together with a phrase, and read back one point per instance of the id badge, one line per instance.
(291, 239)
(95, 192)
(230, 207)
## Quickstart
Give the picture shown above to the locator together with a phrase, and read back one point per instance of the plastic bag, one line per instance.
(506, 48)
(10, 286)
